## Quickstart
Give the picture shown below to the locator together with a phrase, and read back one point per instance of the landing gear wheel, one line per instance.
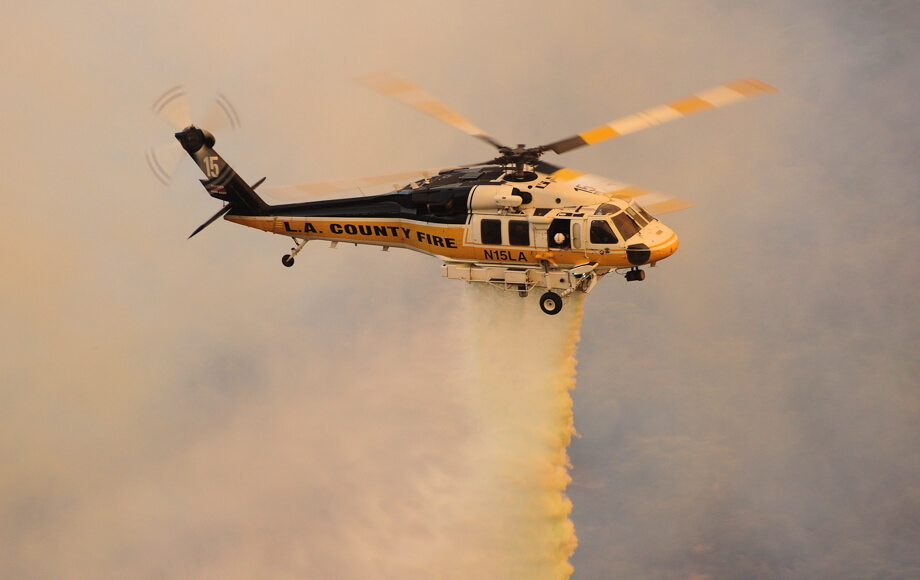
(551, 303)
(287, 260)
(522, 291)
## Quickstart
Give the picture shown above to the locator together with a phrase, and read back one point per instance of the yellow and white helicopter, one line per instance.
(514, 222)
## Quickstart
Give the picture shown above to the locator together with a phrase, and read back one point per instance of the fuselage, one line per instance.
(486, 214)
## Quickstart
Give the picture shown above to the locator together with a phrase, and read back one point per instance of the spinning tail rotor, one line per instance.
(173, 108)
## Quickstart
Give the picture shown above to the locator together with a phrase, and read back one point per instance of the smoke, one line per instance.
(193, 409)
(431, 443)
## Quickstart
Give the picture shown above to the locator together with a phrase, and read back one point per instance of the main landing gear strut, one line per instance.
(288, 259)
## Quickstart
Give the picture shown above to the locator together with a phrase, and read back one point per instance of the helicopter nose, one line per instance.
(666, 248)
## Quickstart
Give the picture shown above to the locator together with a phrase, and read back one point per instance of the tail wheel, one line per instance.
(551, 303)
(287, 260)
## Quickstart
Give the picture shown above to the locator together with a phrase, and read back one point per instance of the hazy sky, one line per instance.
(173, 408)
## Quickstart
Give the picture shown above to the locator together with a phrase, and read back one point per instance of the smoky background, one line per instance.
(174, 408)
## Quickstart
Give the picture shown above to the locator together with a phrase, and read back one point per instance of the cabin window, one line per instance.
(628, 228)
(491, 231)
(559, 226)
(519, 233)
(602, 233)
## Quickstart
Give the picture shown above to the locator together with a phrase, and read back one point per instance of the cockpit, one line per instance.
(628, 221)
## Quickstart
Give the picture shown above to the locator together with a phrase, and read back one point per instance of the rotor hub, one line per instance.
(192, 139)
(520, 155)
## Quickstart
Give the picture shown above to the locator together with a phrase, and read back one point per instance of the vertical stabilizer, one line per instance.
(222, 182)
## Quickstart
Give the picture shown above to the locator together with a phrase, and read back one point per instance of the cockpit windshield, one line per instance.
(628, 228)
(641, 210)
(629, 220)
(636, 217)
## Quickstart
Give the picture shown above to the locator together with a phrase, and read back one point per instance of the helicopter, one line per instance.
(515, 221)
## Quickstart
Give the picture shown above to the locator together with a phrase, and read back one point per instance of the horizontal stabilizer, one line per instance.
(213, 218)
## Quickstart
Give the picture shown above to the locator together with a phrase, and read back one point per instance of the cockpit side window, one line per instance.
(628, 228)
(602, 233)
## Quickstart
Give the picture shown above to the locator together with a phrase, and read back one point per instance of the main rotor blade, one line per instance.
(322, 188)
(718, 96)
(172, 107)
(655, 202)
(410, 94)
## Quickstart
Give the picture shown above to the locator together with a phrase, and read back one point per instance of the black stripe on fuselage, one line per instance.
(440, 205)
